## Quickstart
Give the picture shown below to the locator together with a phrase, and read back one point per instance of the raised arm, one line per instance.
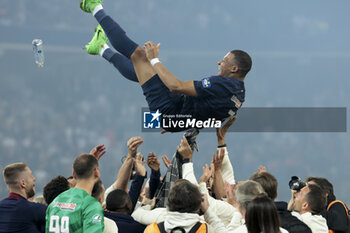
(126, 169)
(154, 163)
(218, 181)
(170, 81)
(226, 168)
(136, 185)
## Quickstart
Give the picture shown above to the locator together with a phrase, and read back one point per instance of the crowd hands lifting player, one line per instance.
(214, 203)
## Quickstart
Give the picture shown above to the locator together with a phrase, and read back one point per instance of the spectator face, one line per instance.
(29, 181)
(300, 203)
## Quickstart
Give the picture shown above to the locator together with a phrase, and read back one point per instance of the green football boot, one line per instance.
(89, 5)
(98, 40)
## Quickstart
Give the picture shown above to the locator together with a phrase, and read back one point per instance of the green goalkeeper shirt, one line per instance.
(74, 211)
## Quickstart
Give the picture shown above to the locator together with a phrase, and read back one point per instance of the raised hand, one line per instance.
(221, 132)
(184, 149)
(207, 173)
(153, 162)
(166, 161)
(98, 151)
(218, 157)
(151, 49)
(140, 165)
(133, 144)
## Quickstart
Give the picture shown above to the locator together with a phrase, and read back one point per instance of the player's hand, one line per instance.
(184, 149)
(221, 132)
(133, 144)
(152, 50)
(153, 162)
(98, 151)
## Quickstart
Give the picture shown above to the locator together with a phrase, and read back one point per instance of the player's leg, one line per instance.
(121, 63)
(120, 41)
(98, 46)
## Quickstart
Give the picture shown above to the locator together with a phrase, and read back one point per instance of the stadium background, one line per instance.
(301, 57)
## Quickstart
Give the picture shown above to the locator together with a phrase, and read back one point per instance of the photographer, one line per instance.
(307, 203)
(287, 221)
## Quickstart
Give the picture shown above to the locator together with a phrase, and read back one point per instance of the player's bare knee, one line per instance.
(139, 55)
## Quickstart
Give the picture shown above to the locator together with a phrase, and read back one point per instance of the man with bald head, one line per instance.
(17, 214)
(75, 210)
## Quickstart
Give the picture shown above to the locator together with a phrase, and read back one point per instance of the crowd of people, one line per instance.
(214, 203)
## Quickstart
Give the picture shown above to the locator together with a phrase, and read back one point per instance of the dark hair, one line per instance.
(119, 201)
(12, 171)
(325, 185)
(262, 216)
(97, 189)
(184, 197)
(316, 198)
(268, 182)
(243, 60)
(55, 187)
(84, 165)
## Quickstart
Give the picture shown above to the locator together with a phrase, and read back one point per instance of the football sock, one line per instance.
(116, 35)
(121, 63)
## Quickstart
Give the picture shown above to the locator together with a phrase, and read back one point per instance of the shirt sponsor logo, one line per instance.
(206, 83)
(65, 206)
(96, 218)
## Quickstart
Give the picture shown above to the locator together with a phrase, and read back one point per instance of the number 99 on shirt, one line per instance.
(58, 226)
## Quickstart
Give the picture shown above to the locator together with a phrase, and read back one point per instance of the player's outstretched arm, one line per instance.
(170, 81)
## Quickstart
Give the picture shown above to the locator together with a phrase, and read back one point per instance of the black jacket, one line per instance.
(289, 222)
(336, 217)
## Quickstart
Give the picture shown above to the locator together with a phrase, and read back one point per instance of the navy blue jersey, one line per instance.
(217, 97)
(125, 223)
(17, 214)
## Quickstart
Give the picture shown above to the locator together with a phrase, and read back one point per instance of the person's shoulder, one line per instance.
(292, 224)
(337, 205)
(90, 202)
(110, 225)
(36, 206)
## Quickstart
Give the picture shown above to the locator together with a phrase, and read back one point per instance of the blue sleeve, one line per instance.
(135, 189)
(154, 183)
(216, 86)
(208, 86)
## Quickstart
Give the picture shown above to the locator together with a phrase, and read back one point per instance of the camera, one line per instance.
(296, 183)
(191, 136)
